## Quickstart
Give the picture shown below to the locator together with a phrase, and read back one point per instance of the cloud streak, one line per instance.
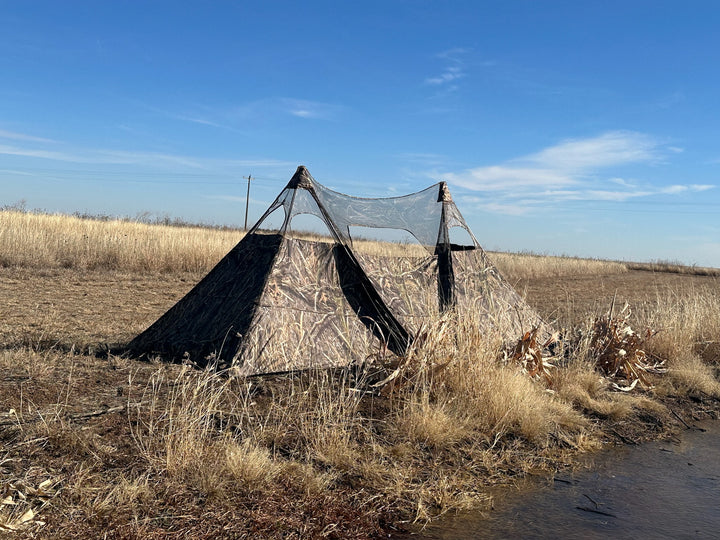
(154, 160)
(303, 108)
(454, 67)
(264, 109)
(22, 137)
(107, 157)
(606, 150)
(236, 118)
(502, 177)
(571, 170)
(450, 74)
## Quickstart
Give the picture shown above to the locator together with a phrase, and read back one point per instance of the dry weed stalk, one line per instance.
(455, 393)
(21, 504)
(691, 325)
(528, 354)
(619, 351)
(416, 361)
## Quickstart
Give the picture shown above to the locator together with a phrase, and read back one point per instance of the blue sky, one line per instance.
(583, 128)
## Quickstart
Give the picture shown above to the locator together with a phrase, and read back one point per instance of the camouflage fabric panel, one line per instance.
(211, 317)
(303, 319)
(480, 288)
(407, 285)
(303, 277)
(283, 339)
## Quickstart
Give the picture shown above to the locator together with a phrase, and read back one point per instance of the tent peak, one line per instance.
(301, 179)
(444, 193)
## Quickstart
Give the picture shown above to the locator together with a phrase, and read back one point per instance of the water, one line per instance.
(668, 489)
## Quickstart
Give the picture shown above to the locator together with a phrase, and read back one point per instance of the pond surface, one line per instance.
(667, 489)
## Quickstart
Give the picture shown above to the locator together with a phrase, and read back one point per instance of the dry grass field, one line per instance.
(97, 445)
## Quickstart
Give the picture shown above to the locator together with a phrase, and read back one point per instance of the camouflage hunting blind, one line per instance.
(278, 303)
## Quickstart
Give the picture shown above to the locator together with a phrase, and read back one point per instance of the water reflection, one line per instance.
(668, 489)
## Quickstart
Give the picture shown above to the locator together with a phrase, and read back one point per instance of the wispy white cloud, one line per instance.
(268, 108)
(677, 188)
(606, 150)
(237, 118)
(608, 195)
(507, 208)
(42, 154)
(570, 170)
(22, 137)
(564, 164)
(503, 177)
(195, 114)
(303, 108)
(621, 182)
(454, 67)
(450, 74)
(154, 160)
(119, 157)
(701, 187)
(201, 121)
(16, 172)
(303, 113)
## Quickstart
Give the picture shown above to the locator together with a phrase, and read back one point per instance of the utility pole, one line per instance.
(247, 199)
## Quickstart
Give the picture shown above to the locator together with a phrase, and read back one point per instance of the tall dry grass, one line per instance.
(679, 332)
(516, 266)
(39, 240)
(454, 421)
(673, 267)
(52, 241)
(322, 432)
(688, 338)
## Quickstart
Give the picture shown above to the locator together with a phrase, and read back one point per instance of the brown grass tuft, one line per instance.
(688, 326)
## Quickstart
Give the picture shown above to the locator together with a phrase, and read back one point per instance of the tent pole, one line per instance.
(247, 200)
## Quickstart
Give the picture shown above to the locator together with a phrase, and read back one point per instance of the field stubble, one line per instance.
(110, 446)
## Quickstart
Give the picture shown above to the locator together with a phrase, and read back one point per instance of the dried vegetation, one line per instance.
(107, 446)
(515, 266)
(58, 241)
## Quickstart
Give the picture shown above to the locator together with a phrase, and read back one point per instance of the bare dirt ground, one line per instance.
(83, 308)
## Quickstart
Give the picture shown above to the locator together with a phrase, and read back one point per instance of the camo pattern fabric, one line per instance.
(408, 285)
(303, 319)
(207, 324)
(480, 289)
